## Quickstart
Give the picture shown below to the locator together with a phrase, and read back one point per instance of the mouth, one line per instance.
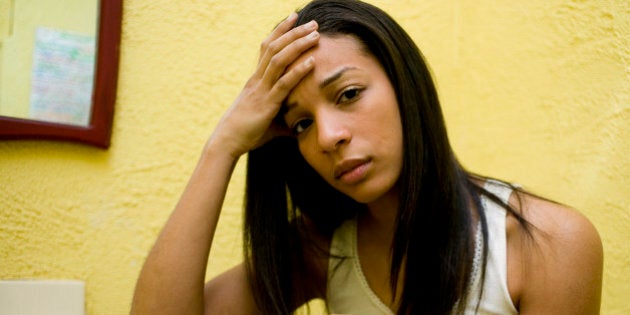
(352, 170)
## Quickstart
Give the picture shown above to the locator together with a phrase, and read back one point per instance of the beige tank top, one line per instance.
(349, 293)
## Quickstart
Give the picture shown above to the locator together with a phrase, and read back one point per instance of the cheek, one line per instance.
(311, 157)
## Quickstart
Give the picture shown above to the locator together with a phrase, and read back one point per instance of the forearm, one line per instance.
(172, 279)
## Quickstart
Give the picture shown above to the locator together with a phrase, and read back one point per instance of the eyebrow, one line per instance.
(323, 84)
(334, 77)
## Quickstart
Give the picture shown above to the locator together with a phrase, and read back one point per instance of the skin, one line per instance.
(348, 120)
(559, 271)
(353, 118)
(347, 114)
(172, 278)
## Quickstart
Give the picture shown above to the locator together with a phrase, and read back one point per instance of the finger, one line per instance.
(279, 30)
(289, 80)
(283, 59)
(271, 48)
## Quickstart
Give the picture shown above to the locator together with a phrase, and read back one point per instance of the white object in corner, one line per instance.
(42, 297)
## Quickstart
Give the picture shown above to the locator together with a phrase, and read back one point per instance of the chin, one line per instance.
(366, 194)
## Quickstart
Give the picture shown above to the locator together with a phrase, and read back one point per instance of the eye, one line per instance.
(300, 126)
(349, 94)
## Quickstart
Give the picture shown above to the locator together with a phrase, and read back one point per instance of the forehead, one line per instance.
(332, 54)
(337, 48)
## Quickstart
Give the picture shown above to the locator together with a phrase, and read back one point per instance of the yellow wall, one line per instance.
(535, 92)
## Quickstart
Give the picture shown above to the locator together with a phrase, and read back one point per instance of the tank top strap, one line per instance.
(500, 189)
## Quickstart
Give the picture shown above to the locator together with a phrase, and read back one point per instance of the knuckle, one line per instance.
(264, 44)
(283, 84)
(275, 61)
(300, 45)
(273, 47)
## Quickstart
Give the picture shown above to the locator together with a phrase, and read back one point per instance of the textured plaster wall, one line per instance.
(536, 92)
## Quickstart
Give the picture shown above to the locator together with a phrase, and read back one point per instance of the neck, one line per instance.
(380, 217)
(376, 227)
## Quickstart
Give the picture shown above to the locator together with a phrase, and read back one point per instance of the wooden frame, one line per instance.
(98, 132)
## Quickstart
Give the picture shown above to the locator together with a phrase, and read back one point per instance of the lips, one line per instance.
(351, 170)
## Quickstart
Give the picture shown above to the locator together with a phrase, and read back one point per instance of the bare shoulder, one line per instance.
(556, 267)
(230, 293)
(557, 223)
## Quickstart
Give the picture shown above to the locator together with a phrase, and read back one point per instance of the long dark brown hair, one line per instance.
(433, 241)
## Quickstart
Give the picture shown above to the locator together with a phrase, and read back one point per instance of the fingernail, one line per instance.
(291, 16)
(309, 61)
(313, 35)
(311, 25)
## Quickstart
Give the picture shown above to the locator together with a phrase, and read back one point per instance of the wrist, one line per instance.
(221, 147)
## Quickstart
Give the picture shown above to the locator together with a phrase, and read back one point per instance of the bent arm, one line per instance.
(172, 279)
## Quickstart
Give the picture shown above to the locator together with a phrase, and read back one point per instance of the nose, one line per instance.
(332, 131)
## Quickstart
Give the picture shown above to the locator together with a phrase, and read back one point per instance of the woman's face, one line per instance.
(345, 117)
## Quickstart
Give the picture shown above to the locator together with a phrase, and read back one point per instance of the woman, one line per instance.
(355, 196)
